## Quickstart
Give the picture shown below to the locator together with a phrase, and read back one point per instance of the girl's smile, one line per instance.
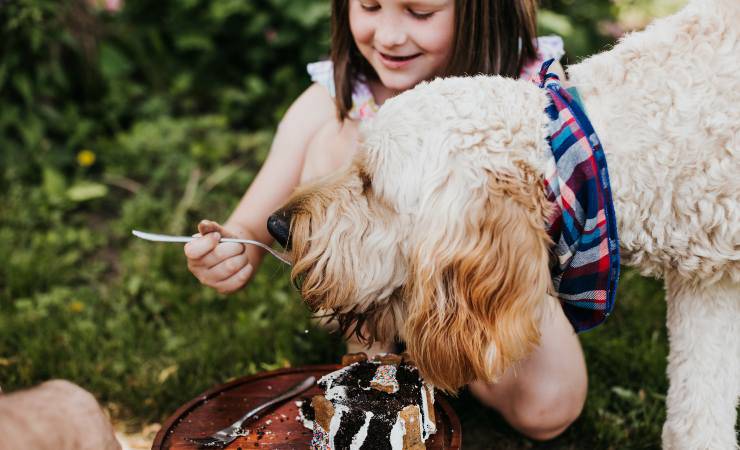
(397, 62)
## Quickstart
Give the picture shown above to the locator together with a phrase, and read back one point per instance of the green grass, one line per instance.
(82, 299)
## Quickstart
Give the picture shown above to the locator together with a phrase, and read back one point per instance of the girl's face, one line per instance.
(405, 41)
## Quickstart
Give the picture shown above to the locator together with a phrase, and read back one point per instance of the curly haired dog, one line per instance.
(435, 234)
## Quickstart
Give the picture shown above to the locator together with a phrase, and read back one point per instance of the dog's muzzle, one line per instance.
(278, 224)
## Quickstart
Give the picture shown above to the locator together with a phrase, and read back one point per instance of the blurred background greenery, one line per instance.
(153, 115)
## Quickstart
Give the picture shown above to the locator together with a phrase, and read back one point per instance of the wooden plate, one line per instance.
(277, 428)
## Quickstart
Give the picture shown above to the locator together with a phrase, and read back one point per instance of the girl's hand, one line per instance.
(222, 266)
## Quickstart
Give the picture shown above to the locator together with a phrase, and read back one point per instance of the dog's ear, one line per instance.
(479, 280)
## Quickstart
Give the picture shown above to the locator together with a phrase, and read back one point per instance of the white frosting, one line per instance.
(306, 423)
(397, 432)
(428, 425)
(336, 394)
(336, 420)
(361, 435)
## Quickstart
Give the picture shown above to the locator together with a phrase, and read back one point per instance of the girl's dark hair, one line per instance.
(494, 37)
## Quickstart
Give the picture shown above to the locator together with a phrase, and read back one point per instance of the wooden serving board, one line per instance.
(277, 427)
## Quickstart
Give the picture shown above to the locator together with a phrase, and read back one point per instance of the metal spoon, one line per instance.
(169, 238)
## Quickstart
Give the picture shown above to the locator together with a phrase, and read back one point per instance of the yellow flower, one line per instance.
(86, 158)
(76, 306)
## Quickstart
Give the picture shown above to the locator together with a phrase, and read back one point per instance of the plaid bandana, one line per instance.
(584, 229)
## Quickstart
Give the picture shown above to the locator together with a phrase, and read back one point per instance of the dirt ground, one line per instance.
(137, 440)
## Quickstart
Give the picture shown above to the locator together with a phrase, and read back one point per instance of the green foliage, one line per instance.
(70, 75)
(160, 114)
(153, 117)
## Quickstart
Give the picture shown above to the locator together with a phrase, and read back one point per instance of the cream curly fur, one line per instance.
(666, 105)
(435, 233)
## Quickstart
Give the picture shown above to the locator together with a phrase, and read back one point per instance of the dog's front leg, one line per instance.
(703, 364)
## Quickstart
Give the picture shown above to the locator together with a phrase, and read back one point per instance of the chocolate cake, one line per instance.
(371, 405)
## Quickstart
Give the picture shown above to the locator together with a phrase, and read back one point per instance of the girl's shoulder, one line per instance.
(363, 103)
(322, 72)
(305, 117)
(314, 105)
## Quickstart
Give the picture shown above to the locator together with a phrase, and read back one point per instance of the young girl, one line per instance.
(379, 49)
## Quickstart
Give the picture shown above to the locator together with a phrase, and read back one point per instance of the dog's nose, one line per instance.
(278, 224)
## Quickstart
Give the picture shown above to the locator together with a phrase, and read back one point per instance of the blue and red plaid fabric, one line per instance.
(584, 228)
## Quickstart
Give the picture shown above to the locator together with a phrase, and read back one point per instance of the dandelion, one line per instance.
(86, 158)
(76, 306)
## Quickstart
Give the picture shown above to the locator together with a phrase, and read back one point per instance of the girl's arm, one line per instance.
(281, 172)
(228, 267)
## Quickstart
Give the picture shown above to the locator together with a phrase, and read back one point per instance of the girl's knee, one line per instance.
(547, 414)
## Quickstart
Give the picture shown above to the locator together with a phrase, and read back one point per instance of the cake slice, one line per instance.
(375, 404)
